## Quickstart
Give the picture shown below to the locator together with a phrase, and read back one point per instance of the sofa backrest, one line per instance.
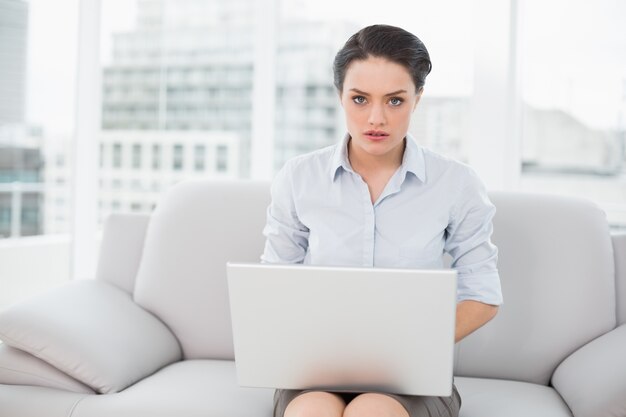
(557, 272)
(195, 229)
(555, 263)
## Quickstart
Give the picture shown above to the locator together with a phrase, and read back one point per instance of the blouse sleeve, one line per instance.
(287, 239)
(468, 241)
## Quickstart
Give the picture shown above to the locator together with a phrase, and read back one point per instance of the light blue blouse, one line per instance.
(321, 214)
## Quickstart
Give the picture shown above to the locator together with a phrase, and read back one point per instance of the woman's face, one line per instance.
(378, 99)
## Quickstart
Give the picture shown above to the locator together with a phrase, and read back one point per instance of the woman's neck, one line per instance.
(364, 163)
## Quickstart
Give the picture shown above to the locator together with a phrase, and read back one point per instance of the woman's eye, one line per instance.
(359, 99)
(395, 101)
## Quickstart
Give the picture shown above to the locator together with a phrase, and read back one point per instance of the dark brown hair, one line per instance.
(384, 41)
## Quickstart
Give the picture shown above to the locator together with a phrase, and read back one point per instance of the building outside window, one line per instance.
(117, 155)
(574, 111)
(199, 155)
(177, 158)
(137, 156)
(156, 157)
(37, 92)
(222, 158)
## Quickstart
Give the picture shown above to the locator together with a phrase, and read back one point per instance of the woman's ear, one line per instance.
(339, 94)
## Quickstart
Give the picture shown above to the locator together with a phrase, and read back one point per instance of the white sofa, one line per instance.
(150, 336)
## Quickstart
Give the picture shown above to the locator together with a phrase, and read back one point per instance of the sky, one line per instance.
(574, 51)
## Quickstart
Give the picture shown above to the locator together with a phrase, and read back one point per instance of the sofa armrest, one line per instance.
(93, 332)
(121, 249)
(591, 380)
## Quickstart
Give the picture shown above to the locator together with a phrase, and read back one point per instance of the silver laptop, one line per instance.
(343, 328)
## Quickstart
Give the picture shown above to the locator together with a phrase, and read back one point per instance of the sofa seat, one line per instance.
(209, 388)
(191, 388)
(33, 401)
(496, 398)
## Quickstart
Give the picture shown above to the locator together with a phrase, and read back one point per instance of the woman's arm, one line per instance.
(471, 315)
(287, 239)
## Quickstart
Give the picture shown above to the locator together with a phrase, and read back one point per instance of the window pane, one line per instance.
(37, 90)
(177, 164)
(156, 157)
(199, 155)
(222, 158)
(176, 81)
(574, 92)
(136, 156)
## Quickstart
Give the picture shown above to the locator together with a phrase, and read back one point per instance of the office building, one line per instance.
(189, 66)
(13, 42)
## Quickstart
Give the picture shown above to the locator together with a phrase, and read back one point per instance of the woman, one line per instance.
(378, 199)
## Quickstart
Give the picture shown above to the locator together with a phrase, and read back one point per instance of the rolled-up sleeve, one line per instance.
(468, 241)
(287, 239)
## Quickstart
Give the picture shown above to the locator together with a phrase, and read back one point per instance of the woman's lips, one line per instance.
(376, 135)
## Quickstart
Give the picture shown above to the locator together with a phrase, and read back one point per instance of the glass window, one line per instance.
(175, 74)
(156, 157)
(177, 160)
(199, 157)
(574, 92)
(137, 156)
(222, 158)
(37, 118)
(117, 155)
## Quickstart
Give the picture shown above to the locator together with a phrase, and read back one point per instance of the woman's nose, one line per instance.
(377, 115)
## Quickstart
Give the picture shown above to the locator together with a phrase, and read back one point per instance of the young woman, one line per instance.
(378, 199)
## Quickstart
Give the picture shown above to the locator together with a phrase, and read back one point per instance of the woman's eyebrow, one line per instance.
(356, 90)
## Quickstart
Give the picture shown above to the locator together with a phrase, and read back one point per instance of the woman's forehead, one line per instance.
(377, 76)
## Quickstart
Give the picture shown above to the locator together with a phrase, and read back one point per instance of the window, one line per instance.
(199, 157)
(574, 109)
(137, 156)
(222, 158)
(156, 157)
(117, 155)
(177, 161)
(37, 92)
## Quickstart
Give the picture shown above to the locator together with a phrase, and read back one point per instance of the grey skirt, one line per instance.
(416, 406)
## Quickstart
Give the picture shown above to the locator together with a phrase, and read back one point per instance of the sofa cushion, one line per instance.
(20, 368)
(193, 388)
(196, 228)
(557, 272)
(501, 398)
(93, 332)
